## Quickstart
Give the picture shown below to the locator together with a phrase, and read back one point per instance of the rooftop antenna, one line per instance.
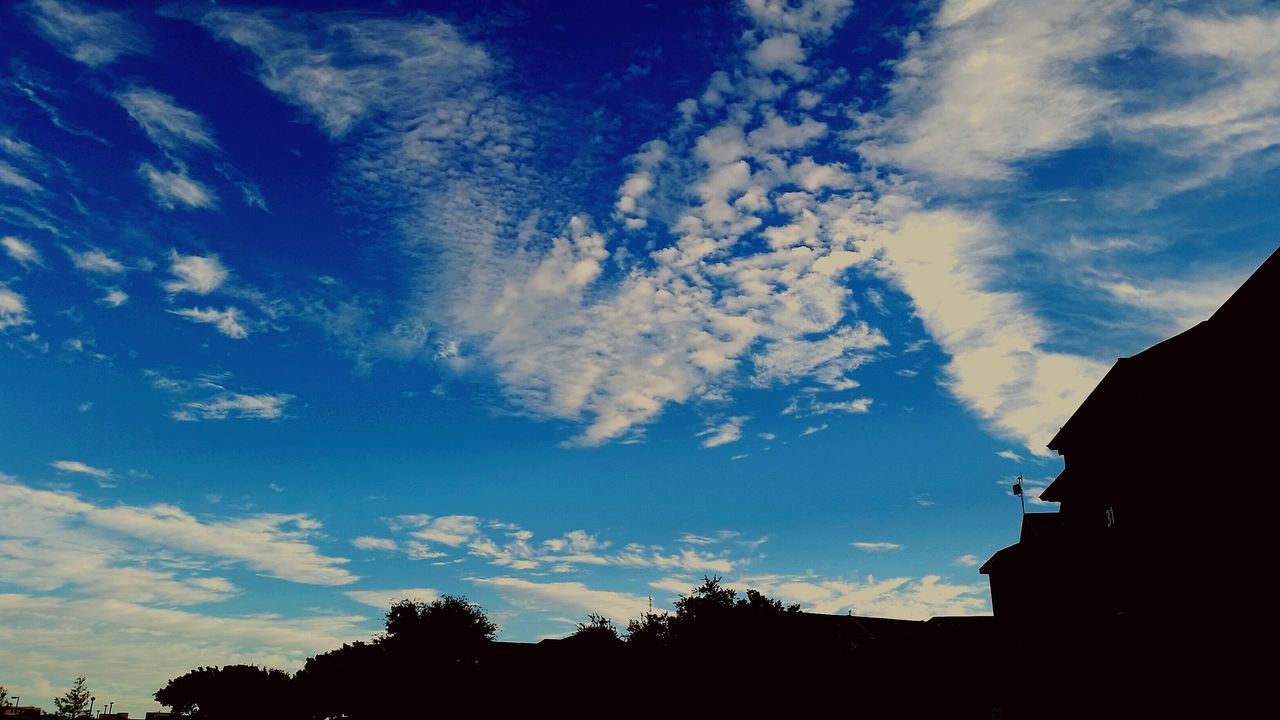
(1017, 490)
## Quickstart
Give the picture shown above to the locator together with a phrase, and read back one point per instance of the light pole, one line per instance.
(91, 699)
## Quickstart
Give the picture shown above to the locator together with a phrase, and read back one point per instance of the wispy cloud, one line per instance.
(723, 433)
(22, 252)
(1010, 455)
(383, 599)
(901, 597)
(968, 560)
(719, 537)
(507, 545)
(1238, 56)
(128, 647)
(171, 127)
(114, 298)
(367, 542)
(226, 405)
(198, 274)
(13, 309)
(96, 261)
(75, 466)
(520, 280)
(229, 321)
(1000, 366)
(275, 544)
(11, 176)
(173, 188)
(876, 546)
(209, 398)
(995, 84)
(85, 34)
(567, 598)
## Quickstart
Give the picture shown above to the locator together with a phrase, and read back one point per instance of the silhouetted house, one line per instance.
(22, 711)
(1164, 461)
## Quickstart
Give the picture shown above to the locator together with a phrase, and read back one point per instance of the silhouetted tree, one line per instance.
(233, 691)
(75, 702)
(450, 631)
(347, 682)
(650, 632)
(4, 696)
(597, 628)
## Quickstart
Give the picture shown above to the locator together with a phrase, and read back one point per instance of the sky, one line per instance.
(562, 306)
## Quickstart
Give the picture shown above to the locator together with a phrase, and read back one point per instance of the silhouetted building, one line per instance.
(1165, 461)
(22, 711)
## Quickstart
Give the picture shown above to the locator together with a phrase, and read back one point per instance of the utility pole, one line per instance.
(1017, 490)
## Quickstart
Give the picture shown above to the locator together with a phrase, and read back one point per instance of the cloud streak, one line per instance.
(521, 285)
(93, 37)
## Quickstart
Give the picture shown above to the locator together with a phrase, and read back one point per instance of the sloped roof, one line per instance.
(1233, 326)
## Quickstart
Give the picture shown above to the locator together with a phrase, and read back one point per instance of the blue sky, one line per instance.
(562, 306)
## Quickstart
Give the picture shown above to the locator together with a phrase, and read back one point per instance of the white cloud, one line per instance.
(508, 545)
(75, 466)
(228, 321)
(18, 148)
(114, 298)
(968, 560)
(217, 401)
(567, 598)
(275, 544)
(1010, 455)
(383, 599)
(857, 406)
(128, 649)
(172, 188)
(11, 176)
(901, 597)
(876, 546)
(168, 125)
(719, 537)
(523, 287)
(90, 36)
(263, 406)
(812, 429)
(199, 274)
(780, 52)
(23, 252)
(96, 261)
(13, 309)
(995, 86)
(366, 542)
(426, 60)
(814, 19)
(1235, 114)
(999, 366)
(724, 433)
(450, 530)
(1174, 304)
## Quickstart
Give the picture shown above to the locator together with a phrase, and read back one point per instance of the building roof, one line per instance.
(1229, 338)
(1039, 531)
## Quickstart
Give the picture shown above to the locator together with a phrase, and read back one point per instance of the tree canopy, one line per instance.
(232, 691)
(75, 702)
